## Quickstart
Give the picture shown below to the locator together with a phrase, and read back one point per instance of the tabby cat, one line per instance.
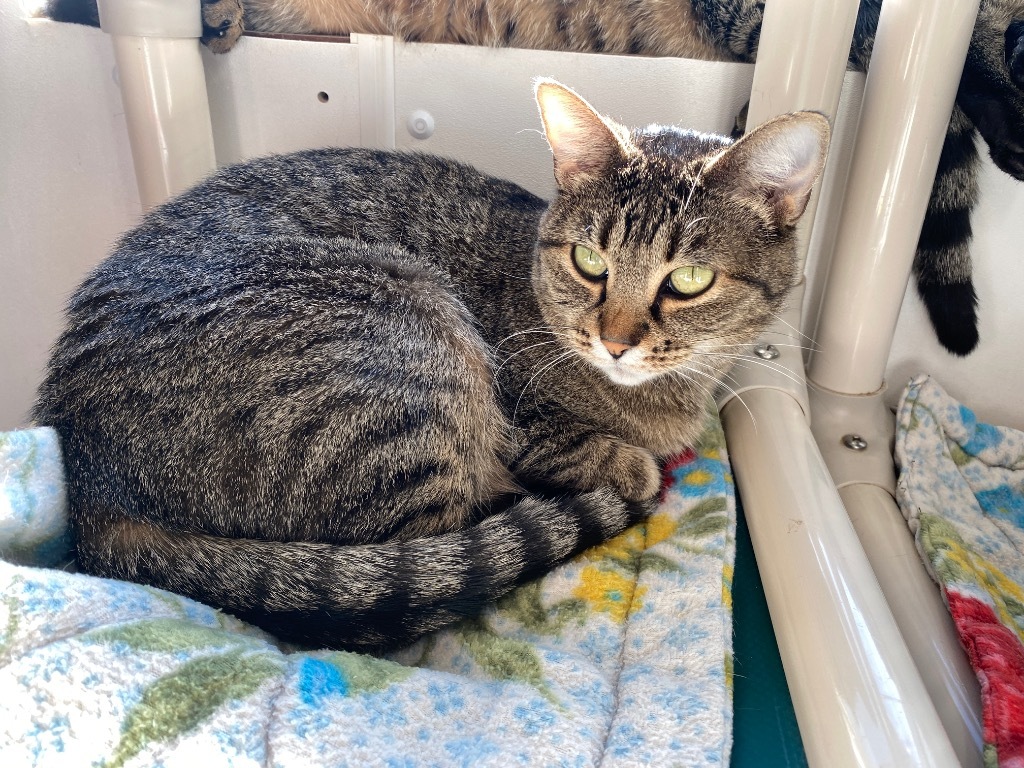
(990, 98)
(352, 395)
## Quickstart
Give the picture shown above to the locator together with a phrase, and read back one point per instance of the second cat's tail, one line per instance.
(943, 263)
(366, 597)
(72, 11)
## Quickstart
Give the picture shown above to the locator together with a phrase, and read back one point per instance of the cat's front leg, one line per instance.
(578, 457)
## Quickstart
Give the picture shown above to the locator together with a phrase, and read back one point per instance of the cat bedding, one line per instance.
(620, 657)
(961, 488)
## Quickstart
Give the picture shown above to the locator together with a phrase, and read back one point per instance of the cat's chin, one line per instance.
(625, 377)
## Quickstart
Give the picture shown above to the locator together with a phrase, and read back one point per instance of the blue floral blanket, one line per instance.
(961, 489)
(620, 657)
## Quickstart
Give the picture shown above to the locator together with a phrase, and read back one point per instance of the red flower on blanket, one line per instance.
(998, 659)
(668, 472)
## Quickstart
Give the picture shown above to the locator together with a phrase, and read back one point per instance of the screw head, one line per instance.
(766, 351)
(855, 442)
(421, 124)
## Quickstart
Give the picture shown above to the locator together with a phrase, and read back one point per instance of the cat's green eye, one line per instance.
(690, 281)
(589, 262)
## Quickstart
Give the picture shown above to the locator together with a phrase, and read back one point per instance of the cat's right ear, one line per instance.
(584, 143)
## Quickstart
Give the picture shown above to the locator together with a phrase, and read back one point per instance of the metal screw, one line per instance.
(766, 351)
(855, 442)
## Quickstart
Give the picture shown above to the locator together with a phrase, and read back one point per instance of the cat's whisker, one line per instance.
(727, 388)
(716, 380)
(539, 329)
(689, 380)
(519, 352)
(812, 346)
(789, 325)
(776, 344)
(560, 358)
(514, 277)
(694, 222)
(696, 181)
(769, 364)
(547, 366)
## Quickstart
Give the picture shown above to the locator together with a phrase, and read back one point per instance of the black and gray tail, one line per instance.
(943, 262)
(72, 11)
(367, 597)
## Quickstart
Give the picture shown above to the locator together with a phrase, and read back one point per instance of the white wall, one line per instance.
(67, 187)
(991, 379)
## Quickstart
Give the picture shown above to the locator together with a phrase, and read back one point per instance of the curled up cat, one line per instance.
(353, 396)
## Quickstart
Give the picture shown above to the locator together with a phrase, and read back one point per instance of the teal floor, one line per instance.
(765, 733)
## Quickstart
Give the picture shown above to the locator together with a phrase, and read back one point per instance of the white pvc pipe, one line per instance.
(924, 622)
(163, 90)
(912, 81)
(866, 479)
(801, 533)
(858, 698)
(801, 61)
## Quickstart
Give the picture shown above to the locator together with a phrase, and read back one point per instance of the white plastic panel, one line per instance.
(67, 186)
(481, 100)
(282, 95)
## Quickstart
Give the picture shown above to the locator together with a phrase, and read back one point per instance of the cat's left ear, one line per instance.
(778, 163)
(584, 143)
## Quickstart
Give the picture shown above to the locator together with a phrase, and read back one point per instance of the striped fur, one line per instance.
(353, 396)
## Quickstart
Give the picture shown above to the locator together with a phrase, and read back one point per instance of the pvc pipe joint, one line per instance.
(163, 91)
(151, 18)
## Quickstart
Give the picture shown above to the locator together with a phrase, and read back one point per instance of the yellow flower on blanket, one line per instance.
(698, 478)
(956, 563)
(659, 528)
(727, 573)
(625, 548)
(609, 592)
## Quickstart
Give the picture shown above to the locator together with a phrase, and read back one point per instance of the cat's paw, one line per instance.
(634, 473)
(222, 24)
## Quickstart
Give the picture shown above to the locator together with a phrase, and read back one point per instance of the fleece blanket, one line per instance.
(961, 488)
(619, 658)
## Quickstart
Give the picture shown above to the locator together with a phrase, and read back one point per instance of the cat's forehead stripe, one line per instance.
(675, 237)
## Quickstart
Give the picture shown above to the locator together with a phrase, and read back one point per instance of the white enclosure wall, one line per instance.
(991, 379)
(67, 185)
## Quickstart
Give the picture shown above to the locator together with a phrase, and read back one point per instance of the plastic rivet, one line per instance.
(421, 124)
(855, 442)
(766, 351)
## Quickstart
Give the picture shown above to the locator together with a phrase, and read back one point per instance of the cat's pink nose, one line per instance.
(615, 348)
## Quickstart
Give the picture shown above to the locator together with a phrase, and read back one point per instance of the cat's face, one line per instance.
(676, 253)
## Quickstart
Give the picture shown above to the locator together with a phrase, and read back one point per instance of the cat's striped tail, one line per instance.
(367, 597)
(943, 262)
